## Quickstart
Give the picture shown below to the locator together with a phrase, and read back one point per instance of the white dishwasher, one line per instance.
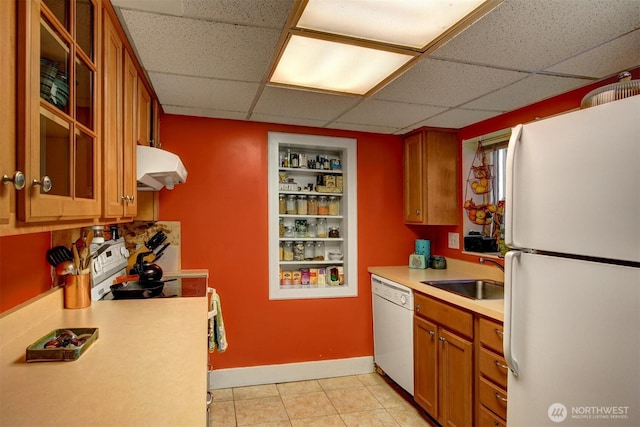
(393, 330)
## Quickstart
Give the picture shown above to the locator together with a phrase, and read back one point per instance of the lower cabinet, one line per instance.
(443, 361)
(491, 408)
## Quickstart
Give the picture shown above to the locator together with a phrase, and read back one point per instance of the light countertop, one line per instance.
(456, 269)
(148, 366)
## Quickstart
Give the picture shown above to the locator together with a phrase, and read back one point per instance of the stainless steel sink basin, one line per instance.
(471, 288)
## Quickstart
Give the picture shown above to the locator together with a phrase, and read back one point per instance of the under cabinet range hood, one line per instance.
(157, 168)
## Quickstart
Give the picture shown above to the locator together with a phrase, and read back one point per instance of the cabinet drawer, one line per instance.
(493, 398)
(487, 419)
(494, 367)
(445, 315)
(491, 333)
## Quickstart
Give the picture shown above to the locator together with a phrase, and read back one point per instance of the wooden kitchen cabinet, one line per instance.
(491, 381)
(120, 132)
(431, 177)
(58, 133)
(7, 106)
(144, 124)
(443, 361)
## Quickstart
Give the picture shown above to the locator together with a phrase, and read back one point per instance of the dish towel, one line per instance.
(217, 334)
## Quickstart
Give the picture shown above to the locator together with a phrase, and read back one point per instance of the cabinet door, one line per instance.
(57, 121)
(112, 129)
(7, 103)
(425, 359)
(455, 380)
(129, 152)
(413, 179)
(144, 115)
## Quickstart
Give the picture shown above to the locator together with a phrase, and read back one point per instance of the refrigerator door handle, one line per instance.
(509, 259)
(511, 155)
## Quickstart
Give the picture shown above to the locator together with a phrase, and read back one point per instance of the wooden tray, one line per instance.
(37, 353)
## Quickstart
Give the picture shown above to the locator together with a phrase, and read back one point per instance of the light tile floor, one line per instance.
(358, 400)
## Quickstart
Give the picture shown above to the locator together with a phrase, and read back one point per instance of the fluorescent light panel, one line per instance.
(410, 23)
(324, 63)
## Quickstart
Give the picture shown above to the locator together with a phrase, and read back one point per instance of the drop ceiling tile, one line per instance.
(532, 35)
(203, 112)
(611, 58)
(527, 91)
(387, 114)
(363, 127)
(458, 118)
(193, 47)
(445, 84)
(199, 92)
(259, 13)
(285, 120)
(303, 104)
(166, 7)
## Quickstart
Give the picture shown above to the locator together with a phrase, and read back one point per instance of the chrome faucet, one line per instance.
(496, 263)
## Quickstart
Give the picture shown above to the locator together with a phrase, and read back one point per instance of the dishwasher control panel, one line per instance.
(391, 291)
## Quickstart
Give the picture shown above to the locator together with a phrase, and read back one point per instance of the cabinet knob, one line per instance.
(417, 307)
(441, 339)
(499, 332)
(417, 211)
(500, 365)
(44, 182)
(18, 179)
(127, 198)
(132, 198)
(432, 333)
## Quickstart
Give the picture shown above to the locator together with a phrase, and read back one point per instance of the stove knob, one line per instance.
(125, 252)
(97, 265)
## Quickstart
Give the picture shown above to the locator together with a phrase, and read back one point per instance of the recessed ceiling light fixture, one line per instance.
(358, 46)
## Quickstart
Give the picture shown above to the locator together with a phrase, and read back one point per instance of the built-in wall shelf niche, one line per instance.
(312, 216)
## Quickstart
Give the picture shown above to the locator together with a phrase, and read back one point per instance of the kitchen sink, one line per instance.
(477, 289)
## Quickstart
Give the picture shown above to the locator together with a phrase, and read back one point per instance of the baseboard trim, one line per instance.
(269, 374)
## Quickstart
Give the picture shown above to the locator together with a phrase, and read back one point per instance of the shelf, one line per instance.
(306, 182)
(312, 171)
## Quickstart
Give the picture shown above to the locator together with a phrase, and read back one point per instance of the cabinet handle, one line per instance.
(504, 399)
(124, 198)
(18, 180)
(132, 198)
(417, 307)
(499, 332)
(432, 333)
(442, 339)
(500, 365)
(417, 211)
(45, 183)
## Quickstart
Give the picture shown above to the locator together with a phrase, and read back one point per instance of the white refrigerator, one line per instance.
(572, 276)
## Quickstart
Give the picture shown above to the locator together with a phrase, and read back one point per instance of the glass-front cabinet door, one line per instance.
(58, 123)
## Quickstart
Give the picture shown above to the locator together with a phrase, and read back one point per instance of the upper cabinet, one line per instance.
(120, 132)
(58, 145)
(7, 106)
(431, 178)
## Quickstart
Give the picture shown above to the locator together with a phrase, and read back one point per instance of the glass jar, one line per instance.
(282, 204)
(298, 251)
(334, 206)
(334, 231)
(281, 255)
(302, 205)
(312, 205)
(288, 231)
(291, 204)
(323, 206)
(319, 251)
(287, 251)
(322, 228)
(281, 227)
(301, 228)
(309, 251)
(312, 229)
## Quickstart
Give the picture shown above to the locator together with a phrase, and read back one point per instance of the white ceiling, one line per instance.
(211, 58)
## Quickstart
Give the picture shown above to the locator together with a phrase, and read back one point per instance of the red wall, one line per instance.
(223, 211)
(24, 271)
